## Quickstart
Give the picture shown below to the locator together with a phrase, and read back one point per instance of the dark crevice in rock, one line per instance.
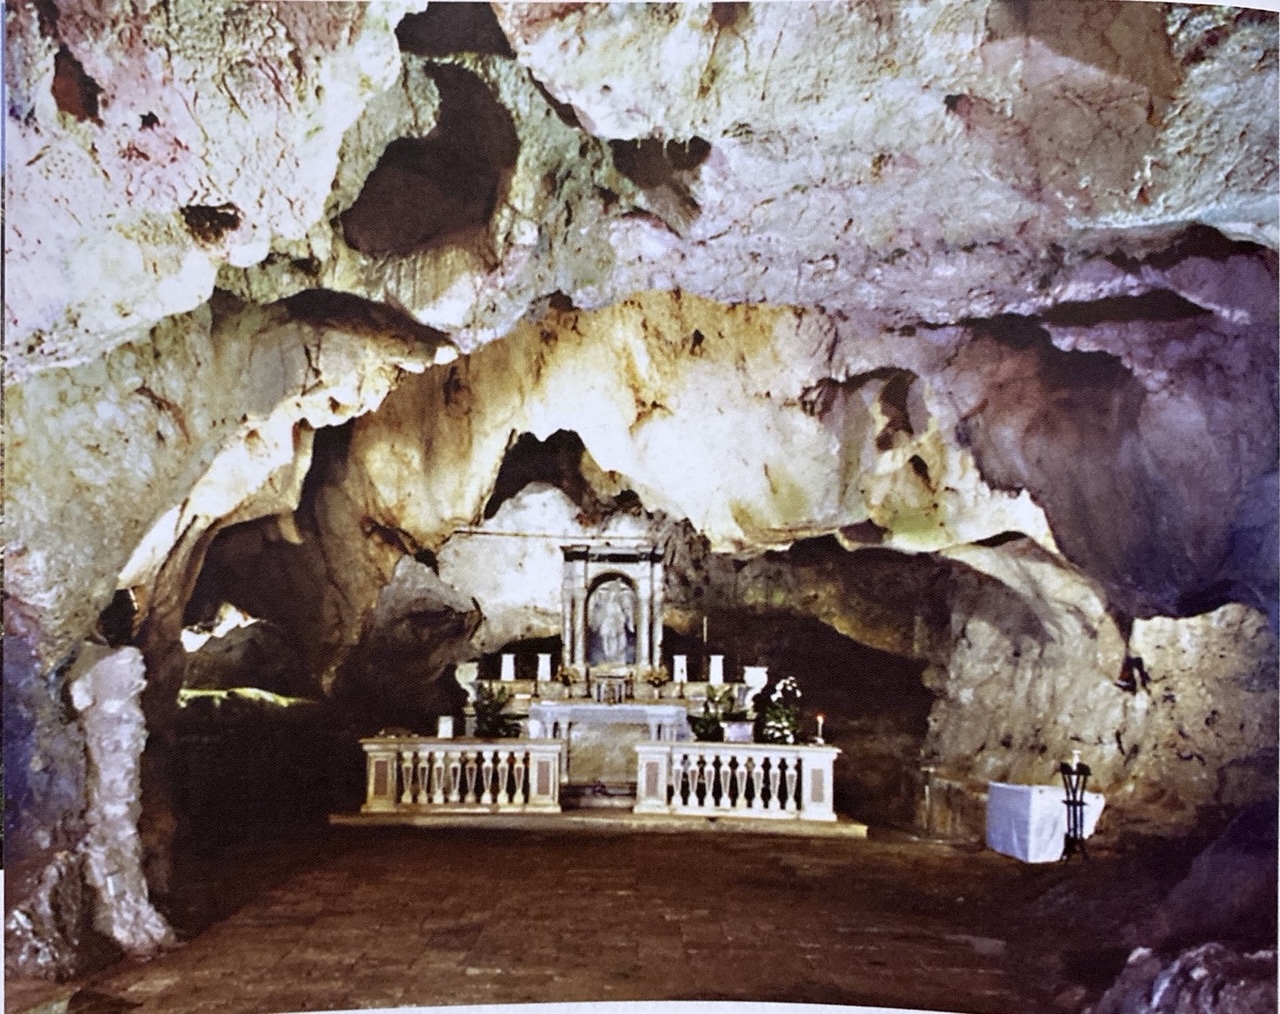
(209, 223)
(426, 189)
(115, 623)
(74, 91)
(820, 398)
(343, 311)
(1001, 539)
(864, 532)
(447, 28)
(1070, 370)
(726, 15)
(1160, 304)
(652, 163)
(556, 461)
(329, 450)
(893, 403)
(664, 171)
(568, 116)
(1195, 241)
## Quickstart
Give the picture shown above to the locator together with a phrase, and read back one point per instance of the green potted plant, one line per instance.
(722, 720)
(706, 726)
(779, 720)
(492, 721)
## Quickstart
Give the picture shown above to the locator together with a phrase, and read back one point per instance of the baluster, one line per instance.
(472, 757)
(704, 778)
(793, 773)
(455, 776)
(504, 771)
(518, 795)
(721, 778)
(420, 796)
(437, 776)
(677, 780)
(739, 771)
(757, 783)
(486, 777)
(774, 772)
(405, 757)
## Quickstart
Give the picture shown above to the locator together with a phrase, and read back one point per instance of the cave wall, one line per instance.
(964, 272)
(1037, 670)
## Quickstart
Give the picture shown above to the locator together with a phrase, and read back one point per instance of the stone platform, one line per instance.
(607, 820)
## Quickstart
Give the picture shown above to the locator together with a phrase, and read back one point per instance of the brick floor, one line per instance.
(375, 917)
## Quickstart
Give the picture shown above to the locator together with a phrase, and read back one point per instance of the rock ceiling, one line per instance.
(978, 298)
(1054, 224)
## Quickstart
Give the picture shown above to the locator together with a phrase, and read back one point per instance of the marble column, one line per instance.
(566, 619)
(656, 579)
(644, 593)
(580, 611)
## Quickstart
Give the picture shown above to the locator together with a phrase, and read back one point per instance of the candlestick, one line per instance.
(819, 739)
(1075, 758)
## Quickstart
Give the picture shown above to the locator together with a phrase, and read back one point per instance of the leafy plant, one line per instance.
(779, 719)
(720, 706)
(707, 727)
(492, 721)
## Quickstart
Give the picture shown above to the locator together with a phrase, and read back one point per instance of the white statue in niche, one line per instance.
(611, 620)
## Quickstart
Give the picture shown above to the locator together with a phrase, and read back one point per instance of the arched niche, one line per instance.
(612, 614)
(616, 590)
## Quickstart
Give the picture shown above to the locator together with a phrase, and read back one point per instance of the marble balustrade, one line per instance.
(429, 774)
(763, 780)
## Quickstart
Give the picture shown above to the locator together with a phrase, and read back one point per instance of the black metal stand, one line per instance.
(1074, 780)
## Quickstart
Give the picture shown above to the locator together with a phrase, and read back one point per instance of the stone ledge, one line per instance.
(844, 827)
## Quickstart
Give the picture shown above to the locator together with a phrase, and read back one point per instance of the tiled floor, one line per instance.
(368, 917)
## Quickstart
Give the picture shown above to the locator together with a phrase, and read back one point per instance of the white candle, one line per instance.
(680, 668)
(444, 727)
(820, 719)
(508, 668)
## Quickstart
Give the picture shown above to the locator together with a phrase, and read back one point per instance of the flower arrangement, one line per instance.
(779, 720)
(720, 706)
(492, 722)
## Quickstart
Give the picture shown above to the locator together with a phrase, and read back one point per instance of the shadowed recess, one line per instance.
(446, 28)
(425, 189)
(346, 312)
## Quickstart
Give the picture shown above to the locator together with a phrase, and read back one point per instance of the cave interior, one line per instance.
(934, 355)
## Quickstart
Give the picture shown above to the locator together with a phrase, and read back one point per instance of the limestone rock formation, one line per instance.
(1201, 980)
(105, 693)
(951, 327)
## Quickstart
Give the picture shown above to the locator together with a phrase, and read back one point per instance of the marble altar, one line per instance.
(600, 742)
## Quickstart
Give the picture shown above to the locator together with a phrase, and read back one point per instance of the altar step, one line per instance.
(609, 820)
(598, 797)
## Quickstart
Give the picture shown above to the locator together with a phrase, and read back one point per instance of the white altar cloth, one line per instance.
(664, 721)
(1029, 822)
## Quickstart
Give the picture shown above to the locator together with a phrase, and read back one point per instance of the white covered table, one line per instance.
(1029, 822)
